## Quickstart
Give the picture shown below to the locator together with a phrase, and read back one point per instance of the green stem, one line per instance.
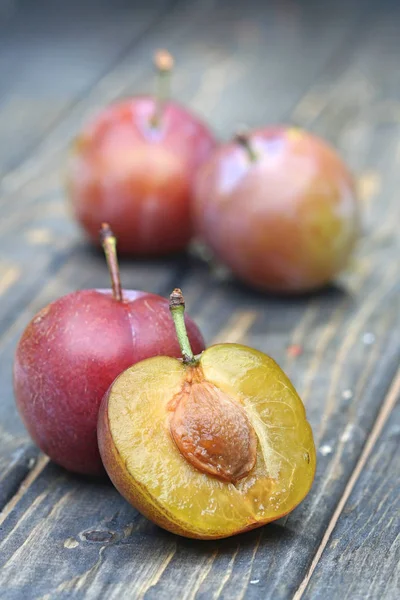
(164, 63)
(242, 138)
(177, 308)
(109, 244)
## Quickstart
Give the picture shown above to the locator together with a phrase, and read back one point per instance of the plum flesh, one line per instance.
(161, 479)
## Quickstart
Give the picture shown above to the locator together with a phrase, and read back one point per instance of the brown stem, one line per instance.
(242, 137)
(163, 62)
(109, 243)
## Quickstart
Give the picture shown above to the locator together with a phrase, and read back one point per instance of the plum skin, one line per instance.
(137, 177)
(69, 355)
(286, 222)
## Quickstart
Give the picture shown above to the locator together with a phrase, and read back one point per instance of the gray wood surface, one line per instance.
(362, 558)
(333, 69)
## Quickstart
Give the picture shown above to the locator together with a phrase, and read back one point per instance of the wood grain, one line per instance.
(65, 536)
(365, 534)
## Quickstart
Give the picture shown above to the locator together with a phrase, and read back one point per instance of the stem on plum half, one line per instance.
(164, 63)
(242, 138)
(177, 308)
(109, 244)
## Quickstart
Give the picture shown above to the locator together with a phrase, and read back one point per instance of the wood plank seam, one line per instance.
(158, 574)
(248, 576)
(203, 575)
(24, 486)
(228, 572)
(384, 414)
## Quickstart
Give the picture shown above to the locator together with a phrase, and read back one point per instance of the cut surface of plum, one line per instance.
(209, 450)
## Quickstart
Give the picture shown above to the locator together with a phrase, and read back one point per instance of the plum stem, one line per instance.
(242, 138)
(177, 308)
(109, 244)
(163, 63)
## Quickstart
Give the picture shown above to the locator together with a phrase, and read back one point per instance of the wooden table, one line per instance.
(330, 67)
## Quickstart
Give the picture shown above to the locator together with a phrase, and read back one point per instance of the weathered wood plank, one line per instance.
(362, 558)
(51, 55)
(89, 544)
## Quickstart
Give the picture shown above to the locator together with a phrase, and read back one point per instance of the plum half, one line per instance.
(207, 446)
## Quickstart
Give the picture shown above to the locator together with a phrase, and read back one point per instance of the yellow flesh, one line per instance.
(199, 503)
